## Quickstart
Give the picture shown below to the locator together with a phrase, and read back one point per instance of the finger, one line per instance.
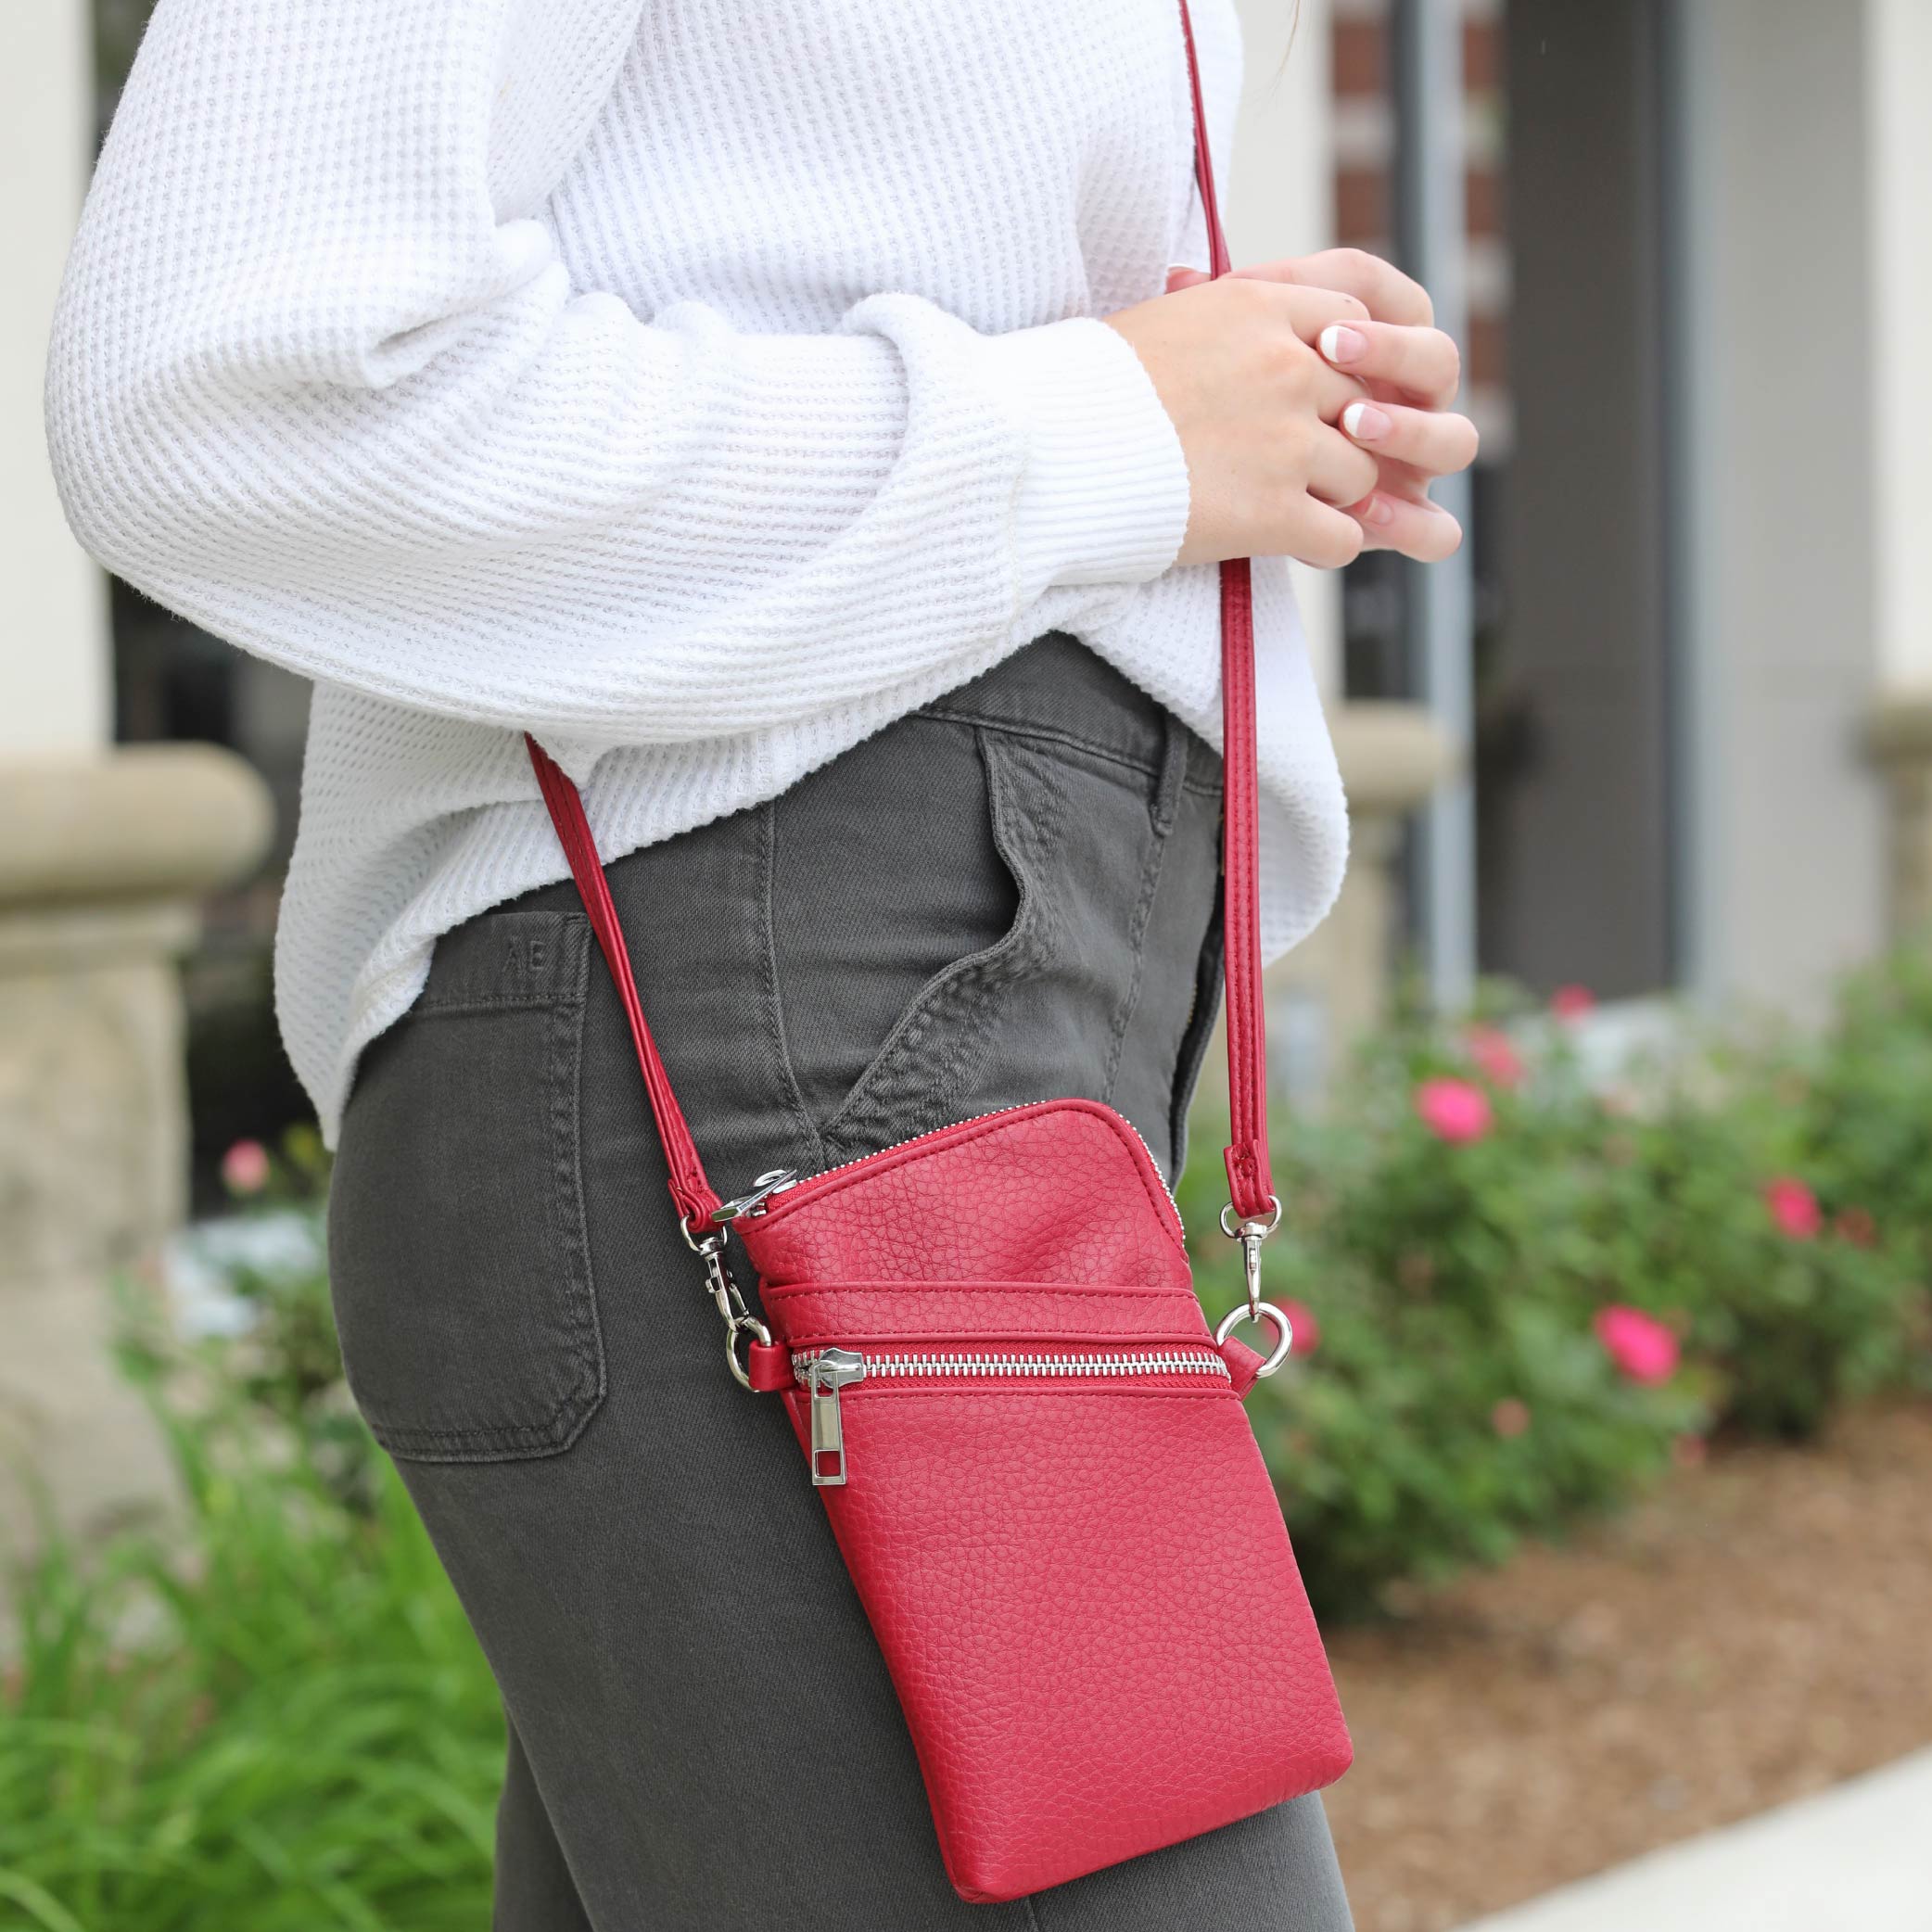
(1433, 442)
(1307, 311)
(1424, 365)
(1405, 479)
(1338, 472)
(1310, 310)
(1417, 528)
(1381, 286)
(1333, 392)
(1323, 536)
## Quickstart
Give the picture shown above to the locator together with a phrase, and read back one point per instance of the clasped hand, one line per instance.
(1312, 400)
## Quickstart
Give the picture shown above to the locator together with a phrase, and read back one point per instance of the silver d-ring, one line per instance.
(1242, 1228)
(732, 1330)
(1236, 1317)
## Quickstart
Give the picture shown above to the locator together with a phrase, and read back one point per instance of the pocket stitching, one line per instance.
(1162, 819)
(774, 995)
(1018, 839)
(567, 1217)
(568, 1203)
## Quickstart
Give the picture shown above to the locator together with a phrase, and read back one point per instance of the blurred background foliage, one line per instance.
(1519, 1295)
(1522, 1292)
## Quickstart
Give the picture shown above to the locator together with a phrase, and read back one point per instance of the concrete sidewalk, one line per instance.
(1857, 1858)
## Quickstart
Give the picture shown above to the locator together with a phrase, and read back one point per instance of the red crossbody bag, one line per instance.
(1031, 1447)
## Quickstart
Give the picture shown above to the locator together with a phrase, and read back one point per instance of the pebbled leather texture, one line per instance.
(1066, 1578)
(1067, 1184)
(768, 1366)
(1243, 1365)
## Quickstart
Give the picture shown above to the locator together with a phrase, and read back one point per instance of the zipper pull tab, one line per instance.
(825, 1375)
(753, 1204)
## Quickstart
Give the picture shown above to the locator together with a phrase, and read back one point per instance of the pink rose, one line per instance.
(1643, 1347)
(1572, 1002)
(245, 1167)
(1307, 1330)
(1455, 1111)
(1509, 1418)
(1495, 1054)
(1793, 1207)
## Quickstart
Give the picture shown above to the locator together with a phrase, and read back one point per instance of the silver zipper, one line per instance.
(781, 1180)
(827, 1370)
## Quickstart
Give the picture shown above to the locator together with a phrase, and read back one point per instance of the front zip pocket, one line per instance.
(824, 1372)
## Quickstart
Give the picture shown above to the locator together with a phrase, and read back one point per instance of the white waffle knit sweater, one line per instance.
(700, 386)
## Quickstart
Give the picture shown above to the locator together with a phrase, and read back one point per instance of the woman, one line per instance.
(782, 417)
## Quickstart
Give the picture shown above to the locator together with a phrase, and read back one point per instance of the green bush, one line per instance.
(1448, 1394)
(1858, 1095)
(270, 1717)
(1519, 1296)
(1712, 1215)
(1869, 1127)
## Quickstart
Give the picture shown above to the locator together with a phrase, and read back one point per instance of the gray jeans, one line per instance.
(1008, 897)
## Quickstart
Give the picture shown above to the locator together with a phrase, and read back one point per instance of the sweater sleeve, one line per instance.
(320, 382)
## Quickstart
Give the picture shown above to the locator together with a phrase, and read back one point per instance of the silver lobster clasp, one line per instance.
(1250, 1234)
(737, 1319)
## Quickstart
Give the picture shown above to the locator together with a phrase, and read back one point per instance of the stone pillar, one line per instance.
(54, 662)
(103, 860)
(1777, 407)
(1335, 985)
(103, 856)
(1899, 139)
(1900, 738)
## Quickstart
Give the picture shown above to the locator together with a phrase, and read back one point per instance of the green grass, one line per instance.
(269, 1718)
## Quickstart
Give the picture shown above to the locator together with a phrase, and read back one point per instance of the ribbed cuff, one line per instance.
(1103, 497)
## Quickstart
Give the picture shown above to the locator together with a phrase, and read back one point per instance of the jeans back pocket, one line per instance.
(458, 1252)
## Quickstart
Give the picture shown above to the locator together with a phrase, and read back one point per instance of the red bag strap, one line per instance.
(1251, 1184)
(690, 1189)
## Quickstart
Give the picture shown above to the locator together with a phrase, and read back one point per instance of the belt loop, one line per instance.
(1166, 803)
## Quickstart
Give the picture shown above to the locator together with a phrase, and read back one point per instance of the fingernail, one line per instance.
(1378, 509)
(1343, 345)
(1364, 422)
